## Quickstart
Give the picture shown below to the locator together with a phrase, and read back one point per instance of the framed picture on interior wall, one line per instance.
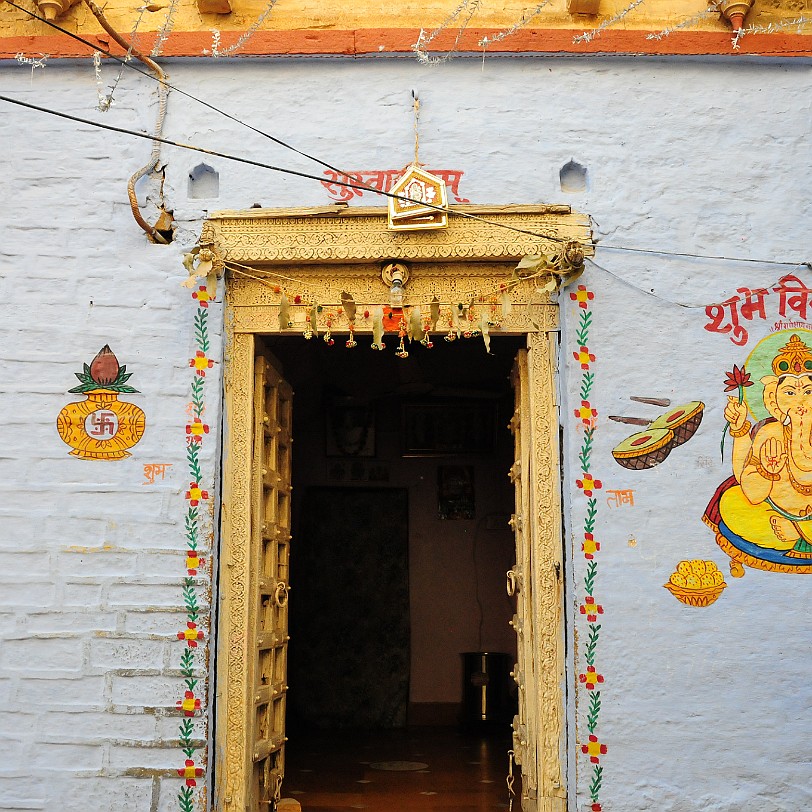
(443, 427)
(350, 427)
(455, 492)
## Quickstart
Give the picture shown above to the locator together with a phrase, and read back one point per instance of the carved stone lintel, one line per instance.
(357, 234)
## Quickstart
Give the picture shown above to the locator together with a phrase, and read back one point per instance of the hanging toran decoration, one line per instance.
(475, 317)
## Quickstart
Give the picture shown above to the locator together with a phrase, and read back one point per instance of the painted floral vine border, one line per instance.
(196, 499)
(589, 677)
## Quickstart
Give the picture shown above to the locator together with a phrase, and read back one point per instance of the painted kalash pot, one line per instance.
(101, 427)
(762, 515)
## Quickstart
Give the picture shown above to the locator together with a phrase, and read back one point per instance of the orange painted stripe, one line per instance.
(382, 41)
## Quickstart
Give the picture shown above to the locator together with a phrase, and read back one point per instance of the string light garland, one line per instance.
(770, 28)
(107, 100)
(424, 40)
(166, 29)
(362, 187)
(102, 96)
(588, 36)
(32, 61)
(691, 21)
(95, 48)
(244, 37)
(486, 41)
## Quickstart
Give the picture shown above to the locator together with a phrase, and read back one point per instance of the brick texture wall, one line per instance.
(693, 156)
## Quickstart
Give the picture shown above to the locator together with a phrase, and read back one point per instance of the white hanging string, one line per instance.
(691, 21)
(588, 36)
(486, 41)
(244, 37)
(771, 28)
(424, 39)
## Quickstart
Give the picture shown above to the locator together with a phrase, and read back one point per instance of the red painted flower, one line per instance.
(586, 414)
(582, 296)
(195, 430)
(584, 357)
(195, 494)
(191, 634)
(203, 296)
(190, 704)
(591, 609)
(594, 749)
(591, 678)
(190, 772)
(201, 363)
(589, 546)
(193, 562)
(589, 484)
(737, 378)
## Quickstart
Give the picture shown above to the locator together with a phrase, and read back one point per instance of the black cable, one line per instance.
(149, 75)
(273, 168)
(357, 186)
(698, 256)
(684, 305)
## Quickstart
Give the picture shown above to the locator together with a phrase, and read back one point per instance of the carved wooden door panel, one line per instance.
(519, 582)
(270, 542)
(536, 580)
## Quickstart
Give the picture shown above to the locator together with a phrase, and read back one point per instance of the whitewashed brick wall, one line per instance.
(696, 156)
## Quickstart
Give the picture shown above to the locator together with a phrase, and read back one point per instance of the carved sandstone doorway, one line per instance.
(330, 252)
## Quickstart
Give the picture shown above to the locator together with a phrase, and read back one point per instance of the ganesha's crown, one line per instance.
(795, 358)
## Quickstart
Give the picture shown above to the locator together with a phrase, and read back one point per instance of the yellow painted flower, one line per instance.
(200, 363)
(594, 749)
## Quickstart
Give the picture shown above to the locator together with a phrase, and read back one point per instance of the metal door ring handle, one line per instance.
(281, 595)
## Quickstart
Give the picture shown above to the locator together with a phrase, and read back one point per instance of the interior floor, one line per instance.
(413, 769)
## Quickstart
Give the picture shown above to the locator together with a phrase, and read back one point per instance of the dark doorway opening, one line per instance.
(401, 502)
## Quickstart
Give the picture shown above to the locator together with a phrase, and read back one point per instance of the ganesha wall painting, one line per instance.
(762, 513)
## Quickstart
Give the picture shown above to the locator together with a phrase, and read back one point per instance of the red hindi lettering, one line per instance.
(794, 294)
(752, 302)
(716, 313)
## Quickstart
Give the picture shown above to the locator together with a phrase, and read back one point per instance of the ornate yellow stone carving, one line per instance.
(358, 234)
(332, 253)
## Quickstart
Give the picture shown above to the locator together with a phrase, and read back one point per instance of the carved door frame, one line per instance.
(331, 250)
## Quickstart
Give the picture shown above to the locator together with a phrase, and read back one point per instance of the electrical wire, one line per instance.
(685, 305)
(181, 92)
(357, 186)
(273, 168)
(163, 80)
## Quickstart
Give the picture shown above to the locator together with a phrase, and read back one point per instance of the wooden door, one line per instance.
(270, 542)
(520, 584)
(536, 580)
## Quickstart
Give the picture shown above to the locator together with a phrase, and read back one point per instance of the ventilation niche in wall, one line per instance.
(573, 177)
(204, 182)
